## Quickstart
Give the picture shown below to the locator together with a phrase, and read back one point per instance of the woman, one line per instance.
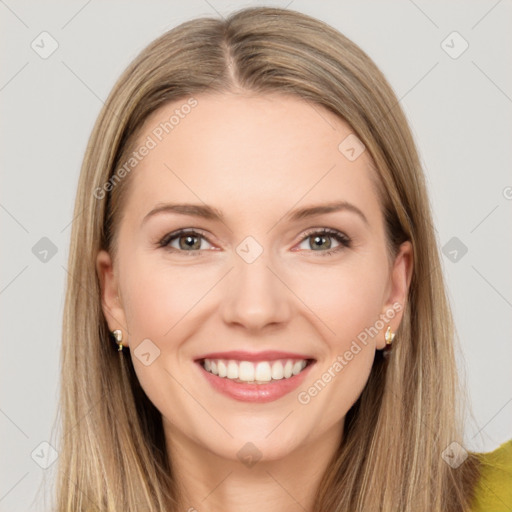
(256, 318)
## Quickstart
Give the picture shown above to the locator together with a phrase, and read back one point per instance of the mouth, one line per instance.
(265, 371)
(256, 378)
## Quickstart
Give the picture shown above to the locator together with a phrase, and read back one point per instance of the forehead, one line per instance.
(246, 150)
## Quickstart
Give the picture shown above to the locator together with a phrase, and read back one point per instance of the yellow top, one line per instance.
(493, 491)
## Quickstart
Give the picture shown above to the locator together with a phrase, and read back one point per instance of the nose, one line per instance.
(255, 297)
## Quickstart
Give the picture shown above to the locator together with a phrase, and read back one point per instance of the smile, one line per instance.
(249, 377)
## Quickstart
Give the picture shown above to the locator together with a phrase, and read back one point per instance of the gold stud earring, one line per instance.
(389, 336)
(118, 335)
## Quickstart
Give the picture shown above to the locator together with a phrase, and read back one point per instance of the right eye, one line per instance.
(183, 241)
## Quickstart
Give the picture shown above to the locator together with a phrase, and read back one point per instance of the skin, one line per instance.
(254, 158)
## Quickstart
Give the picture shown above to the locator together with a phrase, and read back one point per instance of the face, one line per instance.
(250, 243)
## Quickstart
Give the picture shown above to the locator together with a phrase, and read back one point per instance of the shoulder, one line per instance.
(493, 491)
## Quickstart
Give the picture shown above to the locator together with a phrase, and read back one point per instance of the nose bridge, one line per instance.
(254, 296)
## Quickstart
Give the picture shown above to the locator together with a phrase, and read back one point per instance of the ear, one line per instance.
(110, 301)
(398, 289)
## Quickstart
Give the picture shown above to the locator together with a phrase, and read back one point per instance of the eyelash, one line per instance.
(344, 241)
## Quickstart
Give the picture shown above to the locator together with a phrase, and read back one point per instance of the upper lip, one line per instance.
(240, 355)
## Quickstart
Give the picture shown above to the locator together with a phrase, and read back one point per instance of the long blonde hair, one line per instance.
(112, 449)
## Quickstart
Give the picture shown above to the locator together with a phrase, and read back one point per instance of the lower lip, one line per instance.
(255, 392)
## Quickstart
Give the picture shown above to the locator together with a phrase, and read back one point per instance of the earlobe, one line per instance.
(110, 302)
(400, 281)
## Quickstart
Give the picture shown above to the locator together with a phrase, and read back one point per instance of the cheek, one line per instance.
(159, 296)
(348, 303)
(347, 299)
(159, 301)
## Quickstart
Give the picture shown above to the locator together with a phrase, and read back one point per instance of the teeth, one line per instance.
(288, 369)
(260, 372)
(232, 370)
(221, 368)
(263, 371)
(277, 371)
(297, 368)
(245, 371)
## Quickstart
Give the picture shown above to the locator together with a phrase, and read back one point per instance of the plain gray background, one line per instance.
(460, 109)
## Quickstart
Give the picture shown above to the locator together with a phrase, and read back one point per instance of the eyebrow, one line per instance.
(210, 213)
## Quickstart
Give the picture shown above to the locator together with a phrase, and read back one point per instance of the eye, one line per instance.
(184, 241)
(322, 241)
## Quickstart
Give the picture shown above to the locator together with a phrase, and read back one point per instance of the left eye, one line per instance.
(323, 241)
